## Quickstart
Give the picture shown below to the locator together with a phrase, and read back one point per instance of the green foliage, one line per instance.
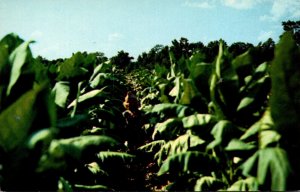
(16, 120)
(285, 78)
(208, 183)
(89, 95)
(205, 121)
(273, 161)
(187, 162)
(113, 156)
(72, 68)
(248, 184)
(18, 58)
(61, 92)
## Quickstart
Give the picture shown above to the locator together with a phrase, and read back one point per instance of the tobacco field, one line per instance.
(188, 117)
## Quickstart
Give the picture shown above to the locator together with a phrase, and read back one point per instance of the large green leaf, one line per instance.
(18, 58)
(188, 162)
(99, 79)
(11, 42)
(208, 183)
(200, 124)
(189, 93)
(43, 136)
(176, 91)
(248, 184)
(181, 144)
(242, 64)
(61, 91)
(255, 95)
(200, 74)
(16, 120)
(113, 156)
(89, 95)
(167, 129)
(262, 129)
(223, 131)
(267, 162)
(101, 68)
(171, 110)
(153, 146)
(63, 152)
(238, 145)
(72, 68)
(196, 120)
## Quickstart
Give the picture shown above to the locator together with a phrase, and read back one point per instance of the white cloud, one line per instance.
(265, 35)
(35, 35)
(204, 4)
(113, 37)
(283, 8)
(235, 4)
(241, 4)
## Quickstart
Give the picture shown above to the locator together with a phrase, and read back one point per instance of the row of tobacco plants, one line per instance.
(62, 126)
(232, 124)
(227, 124)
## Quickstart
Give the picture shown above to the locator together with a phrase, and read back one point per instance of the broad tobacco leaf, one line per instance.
(183, 143)
(167, 129)
(74, 149)
(188, 162)
(113, 155)
(16, 120)
(208, 183)
(269, 161)
(222, 132)
(248, 184)
(89, 95)
(18, 58)
(171, 110)
(61, 92)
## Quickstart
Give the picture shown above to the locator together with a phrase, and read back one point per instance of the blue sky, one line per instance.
(61, 27)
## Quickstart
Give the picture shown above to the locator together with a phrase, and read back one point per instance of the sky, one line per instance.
(63, 27)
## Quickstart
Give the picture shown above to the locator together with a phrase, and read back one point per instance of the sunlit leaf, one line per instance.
(198, 120)
(93, 167)
(248, 184)
(238, 145)
(171, 110)
(73, 150)
(88, 95)
(45, 136)
(167, 129)
(112, 155)
(61, 91)
(181, 144)
(188, 162)
(152, 146)
(267, 162)
(16, 120)
(92, 187)
(64, 185)
(99, 79)
(18, 58)
(208, 183)
(189, 93)
(223, 131)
